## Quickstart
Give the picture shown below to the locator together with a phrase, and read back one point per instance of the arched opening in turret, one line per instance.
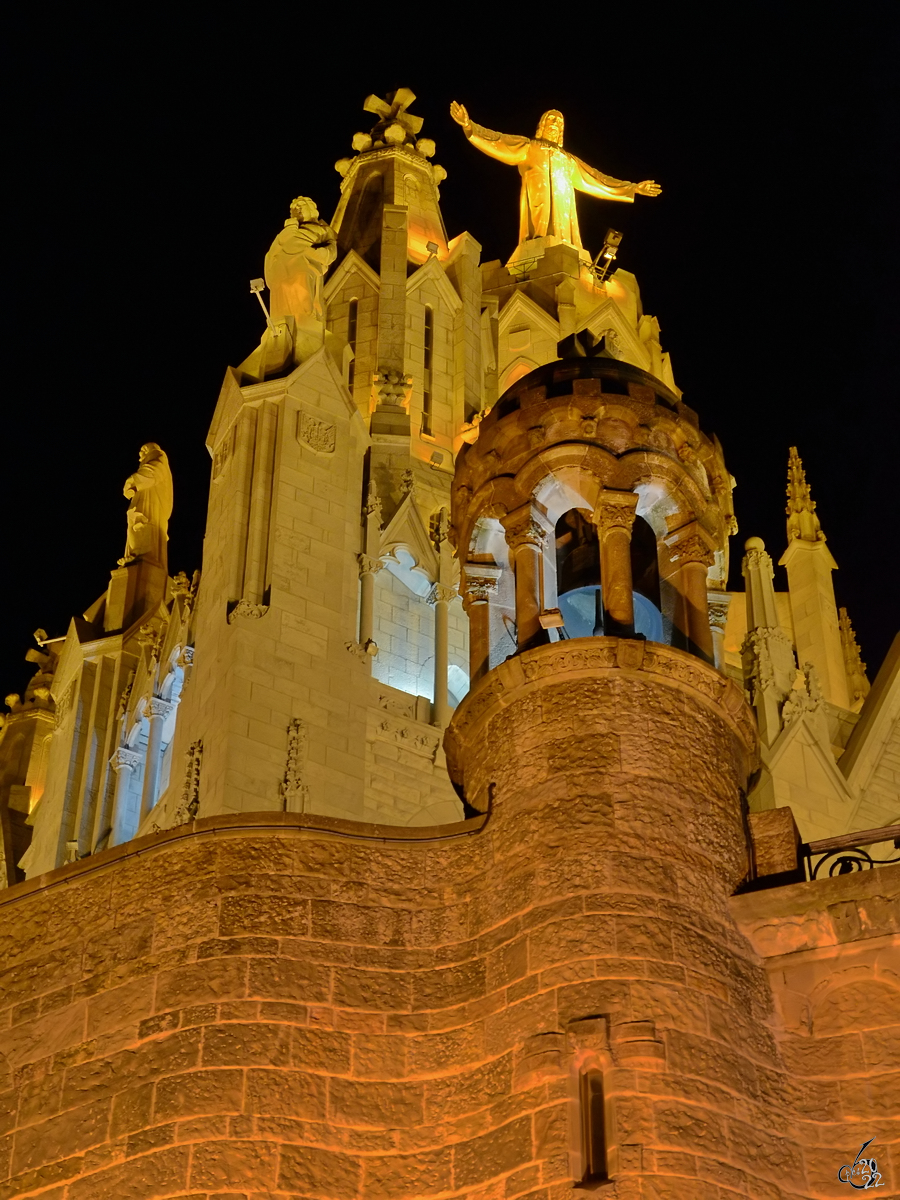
(645, 581)
(578, 576)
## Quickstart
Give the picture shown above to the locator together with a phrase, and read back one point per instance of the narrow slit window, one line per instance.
(427, 403)
(593, 1127)
(352, 319)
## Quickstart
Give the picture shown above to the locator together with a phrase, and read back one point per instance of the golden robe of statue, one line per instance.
(550, 176)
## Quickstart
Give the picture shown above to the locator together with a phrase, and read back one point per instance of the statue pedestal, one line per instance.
(133, 590)
(526, 255)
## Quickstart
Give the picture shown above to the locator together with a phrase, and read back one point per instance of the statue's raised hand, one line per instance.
(460, 116)
(648, 187)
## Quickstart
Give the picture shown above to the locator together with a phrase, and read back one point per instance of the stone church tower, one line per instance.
(455, 832)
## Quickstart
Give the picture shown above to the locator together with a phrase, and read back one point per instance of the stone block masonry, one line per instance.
(284, 1005)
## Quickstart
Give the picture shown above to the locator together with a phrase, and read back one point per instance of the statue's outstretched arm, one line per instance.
(595, 183)
(503, 146)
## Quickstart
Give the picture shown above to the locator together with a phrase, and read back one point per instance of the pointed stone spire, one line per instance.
(390, 170)
(809, 565)
(857, 683)
(801, 508)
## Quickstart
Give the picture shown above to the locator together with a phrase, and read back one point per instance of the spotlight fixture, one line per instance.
(608, 252)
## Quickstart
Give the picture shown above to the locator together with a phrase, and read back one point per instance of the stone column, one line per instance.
(476, 590)
(368, 569)
(123, 762)
(718, 603)
(525, 534)
(614, 518)
(439, 598)
(158, 710)
(692, 553)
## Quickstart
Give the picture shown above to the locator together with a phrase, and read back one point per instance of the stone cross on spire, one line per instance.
(801, 508)
(395, 124)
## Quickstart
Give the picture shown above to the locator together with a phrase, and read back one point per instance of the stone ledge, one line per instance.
(222, 825)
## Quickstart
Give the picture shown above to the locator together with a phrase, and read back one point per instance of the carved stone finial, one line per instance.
(439, 527)
(801, 508)
(857, 683)
(294, 788)
(190, 793)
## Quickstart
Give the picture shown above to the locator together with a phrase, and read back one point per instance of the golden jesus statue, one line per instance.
(550, 176)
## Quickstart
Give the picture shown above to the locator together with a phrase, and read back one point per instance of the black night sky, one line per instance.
(149, 165)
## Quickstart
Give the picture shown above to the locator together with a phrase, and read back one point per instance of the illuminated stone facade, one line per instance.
(439, 838)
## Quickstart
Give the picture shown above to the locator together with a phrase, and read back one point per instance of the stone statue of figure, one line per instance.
(550, 176)
(295, 269)
(296, 264)
(150, 491)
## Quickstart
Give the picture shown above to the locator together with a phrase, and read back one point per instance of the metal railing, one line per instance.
(846, 853)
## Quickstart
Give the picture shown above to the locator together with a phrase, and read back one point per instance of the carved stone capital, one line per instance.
(478, 589)
(524, 527)
(368, 565)
(246, 608)
(393, 387)
(161, 708)
(615, 510)
(693, 550)
(441, 594)
(719, 603)
(124, 758)
(691, 544)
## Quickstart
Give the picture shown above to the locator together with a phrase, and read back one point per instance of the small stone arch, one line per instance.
(856, 999)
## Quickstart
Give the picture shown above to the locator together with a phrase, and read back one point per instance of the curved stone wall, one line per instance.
(253, 1008)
